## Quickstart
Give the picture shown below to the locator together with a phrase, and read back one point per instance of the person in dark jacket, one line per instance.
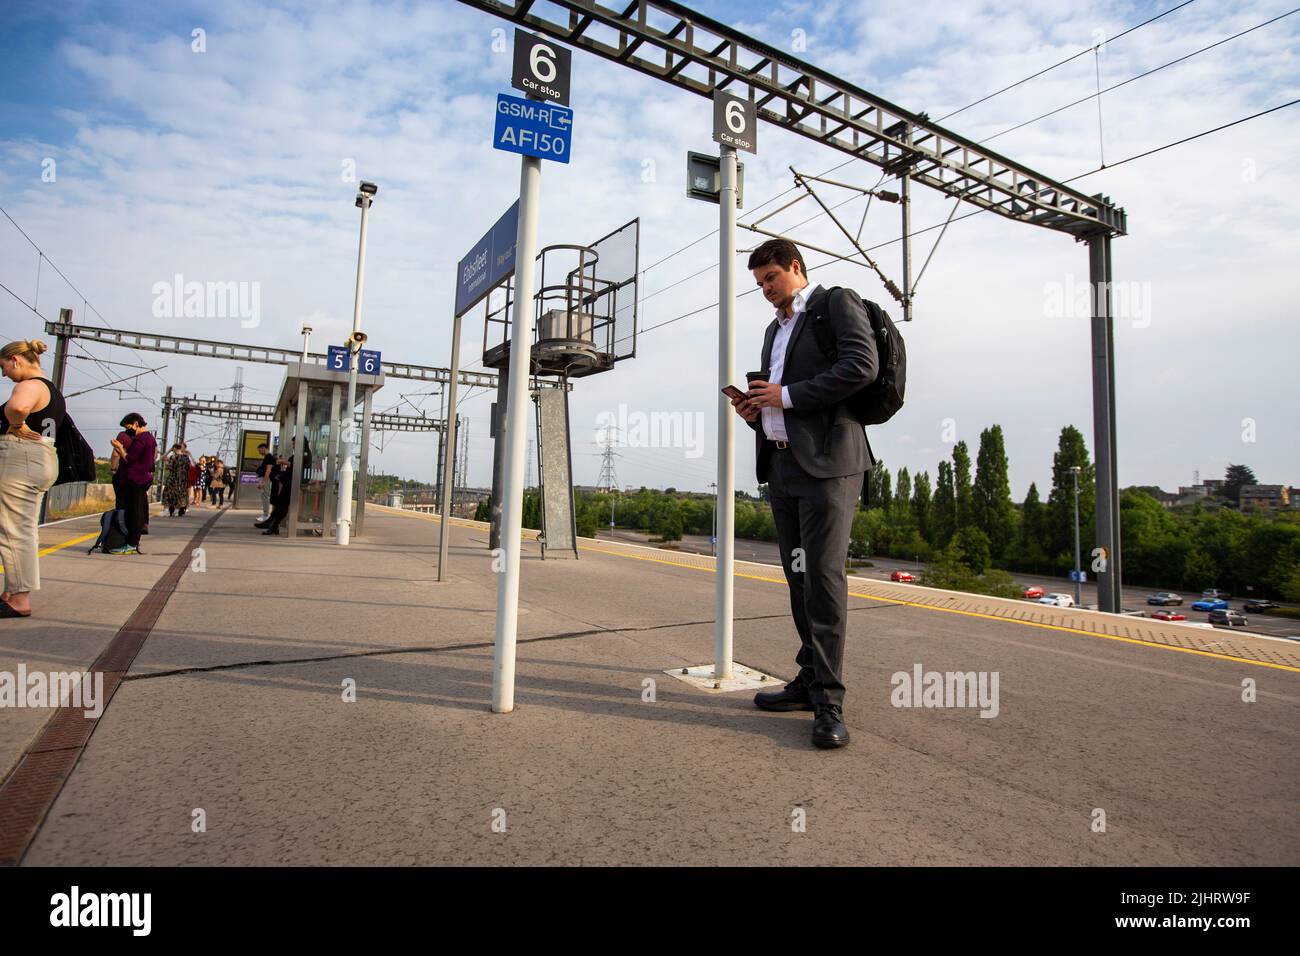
(135, 483)
(281, 489)
(812, 453)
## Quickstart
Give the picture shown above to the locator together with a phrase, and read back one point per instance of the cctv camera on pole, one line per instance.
(347, 430)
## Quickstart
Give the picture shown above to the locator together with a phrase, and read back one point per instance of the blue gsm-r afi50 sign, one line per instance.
(532, 128)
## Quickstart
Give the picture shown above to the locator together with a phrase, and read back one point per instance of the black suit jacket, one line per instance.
(825, 438)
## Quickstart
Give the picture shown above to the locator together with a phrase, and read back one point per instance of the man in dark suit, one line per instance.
(812, 453)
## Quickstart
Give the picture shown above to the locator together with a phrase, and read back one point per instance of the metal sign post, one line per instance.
(347, 433)
(735, 123)
(544, 67)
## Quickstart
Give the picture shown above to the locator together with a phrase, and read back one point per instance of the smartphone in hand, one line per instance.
(734, 393)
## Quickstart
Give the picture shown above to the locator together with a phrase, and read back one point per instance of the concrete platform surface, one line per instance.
(237, 712)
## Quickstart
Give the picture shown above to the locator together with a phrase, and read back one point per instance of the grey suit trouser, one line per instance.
(814, 518)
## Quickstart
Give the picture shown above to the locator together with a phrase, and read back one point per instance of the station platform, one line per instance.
(229, 709)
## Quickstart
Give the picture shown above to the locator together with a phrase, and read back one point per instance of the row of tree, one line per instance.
(965, 522)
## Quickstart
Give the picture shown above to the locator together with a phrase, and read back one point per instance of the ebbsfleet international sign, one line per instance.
(490, 260)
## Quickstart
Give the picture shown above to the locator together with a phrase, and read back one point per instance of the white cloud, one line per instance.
(227, 165)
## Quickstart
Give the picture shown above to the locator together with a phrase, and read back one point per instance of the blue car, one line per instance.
(1205, 604)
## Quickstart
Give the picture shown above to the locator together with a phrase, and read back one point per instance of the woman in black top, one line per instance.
(28, 467)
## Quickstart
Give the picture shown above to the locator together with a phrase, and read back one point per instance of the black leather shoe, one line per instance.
(793, 696)
(274, 531)
(828, 727)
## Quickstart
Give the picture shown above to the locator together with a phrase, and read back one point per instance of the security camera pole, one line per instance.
(536, 130)
(735, 125)
(347, 430)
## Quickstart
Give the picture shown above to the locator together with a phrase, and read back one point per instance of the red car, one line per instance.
(904, 576)
(1163, 615)
(1032, 593)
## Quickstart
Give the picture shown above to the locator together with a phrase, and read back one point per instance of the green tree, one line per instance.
(921, 504)
(1071, 451)
(991, 508)
(944, 511)
(1154, 545)
(1291, 586)
(961, 485)
(666, 519)
(878, 486)
(974, 546)
(949, 570)
(1199, 571)
(1234, 478)
(1032, 555)
(871, 530)
(902, 494)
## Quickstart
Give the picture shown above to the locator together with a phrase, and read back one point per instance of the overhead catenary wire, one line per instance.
(976, 212)
(1139, 76)
(42, 258)
(1068, 59)
(977, 102)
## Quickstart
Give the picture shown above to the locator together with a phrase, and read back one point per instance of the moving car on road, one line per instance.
(1211, 593)
(1060, 600)
(1165, 597)
(1163, 615)
(1227, 619)
(1259, 606)
(1210, 604)
(904, 576)
(1033, 593)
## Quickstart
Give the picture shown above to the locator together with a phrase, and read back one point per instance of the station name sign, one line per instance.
(490, 260)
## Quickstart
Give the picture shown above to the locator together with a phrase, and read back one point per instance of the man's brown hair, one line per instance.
(781, 251)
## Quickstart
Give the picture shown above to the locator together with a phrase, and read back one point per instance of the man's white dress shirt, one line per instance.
(773, 419)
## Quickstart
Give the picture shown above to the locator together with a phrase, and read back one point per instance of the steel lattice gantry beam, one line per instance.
(215, 408)
(673, 43)
(266, 355)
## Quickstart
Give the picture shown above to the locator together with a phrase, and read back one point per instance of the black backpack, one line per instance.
(112, 531)
(879, 400)
(76, 457)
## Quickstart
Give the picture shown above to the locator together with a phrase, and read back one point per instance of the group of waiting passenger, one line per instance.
(187, 483)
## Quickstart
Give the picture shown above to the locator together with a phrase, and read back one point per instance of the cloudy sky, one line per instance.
(129, 157)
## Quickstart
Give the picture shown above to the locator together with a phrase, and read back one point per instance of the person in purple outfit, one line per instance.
(138, 460)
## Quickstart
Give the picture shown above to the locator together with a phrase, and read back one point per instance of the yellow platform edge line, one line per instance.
(925, 607)
(979, 614)
(62, 544)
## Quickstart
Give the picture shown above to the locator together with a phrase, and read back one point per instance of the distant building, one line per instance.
(1193, 491)
(1265, 496)
(1213, 486)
